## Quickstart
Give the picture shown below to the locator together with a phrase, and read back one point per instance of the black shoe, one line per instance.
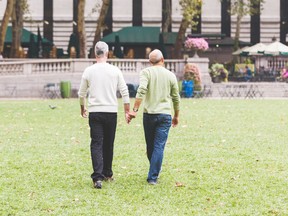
(97, 184)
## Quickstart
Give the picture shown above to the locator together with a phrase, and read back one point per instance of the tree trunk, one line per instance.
(17, 25)
(100, 23)
(167, 16)
(5, 21)
(237, 32)
(81, 29)
(180, 39)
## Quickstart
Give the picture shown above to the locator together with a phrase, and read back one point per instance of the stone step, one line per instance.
(249, 90)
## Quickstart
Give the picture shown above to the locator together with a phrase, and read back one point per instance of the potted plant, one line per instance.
(192, 78)
(218, 73)
(196, 44)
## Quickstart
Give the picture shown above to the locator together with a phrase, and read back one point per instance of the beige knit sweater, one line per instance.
(101, 81)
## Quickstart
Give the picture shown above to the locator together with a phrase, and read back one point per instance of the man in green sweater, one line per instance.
(102, 80)
(157, 87)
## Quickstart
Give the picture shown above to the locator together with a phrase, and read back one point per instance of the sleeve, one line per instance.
(175, 94)
(143, 85)
(83, 89)
(123, 89)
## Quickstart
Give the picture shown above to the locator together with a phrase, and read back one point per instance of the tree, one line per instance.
(17, 25)
(191, 9)
(241, 8)
(14, 10)
(166, 15)
(100, 22)
(5, 22)
(81, 29)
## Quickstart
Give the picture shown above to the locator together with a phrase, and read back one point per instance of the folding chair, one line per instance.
(51, 91)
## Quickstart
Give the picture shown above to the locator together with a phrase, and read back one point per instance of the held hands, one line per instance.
(129, 116)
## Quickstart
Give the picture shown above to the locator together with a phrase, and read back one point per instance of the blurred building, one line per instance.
(57, 19)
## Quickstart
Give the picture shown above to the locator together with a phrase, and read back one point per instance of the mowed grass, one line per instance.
(226, 157)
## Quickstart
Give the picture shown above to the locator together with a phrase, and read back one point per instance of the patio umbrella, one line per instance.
(257, 49)
(275, 49)
(239, 51)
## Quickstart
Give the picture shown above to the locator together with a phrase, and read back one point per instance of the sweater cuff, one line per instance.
(82, 101)
(126, 100)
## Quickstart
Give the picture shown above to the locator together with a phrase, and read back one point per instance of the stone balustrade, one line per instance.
(27, 77)
(20, 78)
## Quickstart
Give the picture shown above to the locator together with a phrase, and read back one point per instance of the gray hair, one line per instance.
(101, 48)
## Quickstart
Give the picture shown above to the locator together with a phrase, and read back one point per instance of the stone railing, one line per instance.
(28, 76)
(43, 66)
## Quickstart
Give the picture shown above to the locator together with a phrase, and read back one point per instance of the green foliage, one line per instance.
(25, 6)
(191, 9)
(26, 10)
(243, 7)
(227, 157)
(218, 69)
(248, 61)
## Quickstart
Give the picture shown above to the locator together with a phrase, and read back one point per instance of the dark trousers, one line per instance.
(102, 133)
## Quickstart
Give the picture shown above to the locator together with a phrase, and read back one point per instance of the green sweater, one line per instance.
(158, 87)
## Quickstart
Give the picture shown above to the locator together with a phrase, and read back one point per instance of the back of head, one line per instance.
(101, 49)
(155, 56)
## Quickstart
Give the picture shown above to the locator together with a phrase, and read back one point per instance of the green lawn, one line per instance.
(230, 156)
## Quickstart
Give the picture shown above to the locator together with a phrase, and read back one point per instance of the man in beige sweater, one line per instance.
(102, 80)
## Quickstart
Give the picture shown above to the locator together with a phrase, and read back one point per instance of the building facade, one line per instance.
(57, 19)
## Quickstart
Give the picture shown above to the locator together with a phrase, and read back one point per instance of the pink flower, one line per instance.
(196, 43)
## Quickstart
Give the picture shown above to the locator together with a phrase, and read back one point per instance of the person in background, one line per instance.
(248, 74)
(147, 52)
(158, 86)
(285, 73)
(103, 80)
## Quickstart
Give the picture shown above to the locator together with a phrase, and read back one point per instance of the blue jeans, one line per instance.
(156, 129)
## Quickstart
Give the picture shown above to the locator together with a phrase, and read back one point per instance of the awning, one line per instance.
(25, 39)
(134, 35)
